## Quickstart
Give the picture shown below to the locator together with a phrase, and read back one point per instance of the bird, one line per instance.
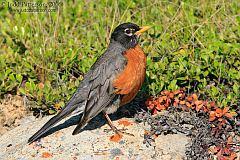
(112, 81)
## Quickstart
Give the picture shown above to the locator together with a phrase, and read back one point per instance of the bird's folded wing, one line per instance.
(102, 91)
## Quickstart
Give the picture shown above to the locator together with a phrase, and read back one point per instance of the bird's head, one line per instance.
(127, 34)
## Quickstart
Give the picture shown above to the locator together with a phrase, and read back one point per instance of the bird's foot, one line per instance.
(118, 131)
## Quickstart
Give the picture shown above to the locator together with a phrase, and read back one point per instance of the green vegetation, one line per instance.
(192, 44)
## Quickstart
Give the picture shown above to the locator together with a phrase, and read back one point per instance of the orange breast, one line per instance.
(130, 80)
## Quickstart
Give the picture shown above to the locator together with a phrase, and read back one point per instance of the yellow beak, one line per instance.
(142, 29)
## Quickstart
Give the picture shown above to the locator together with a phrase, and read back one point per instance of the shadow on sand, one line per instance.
(97, 121)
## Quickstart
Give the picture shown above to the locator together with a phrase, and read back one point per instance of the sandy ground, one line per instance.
(94, 142)
(12, 109)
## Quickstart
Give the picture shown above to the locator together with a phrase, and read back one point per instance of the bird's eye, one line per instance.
(128, 32)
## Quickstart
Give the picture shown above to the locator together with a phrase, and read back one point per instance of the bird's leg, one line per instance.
(117, 131)
(111, 123)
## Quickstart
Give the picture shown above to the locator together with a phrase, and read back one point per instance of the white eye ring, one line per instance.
(129, 31)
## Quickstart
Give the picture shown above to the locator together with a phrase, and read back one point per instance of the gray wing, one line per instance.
(101, 89)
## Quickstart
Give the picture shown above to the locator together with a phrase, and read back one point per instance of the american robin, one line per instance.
(113, 80)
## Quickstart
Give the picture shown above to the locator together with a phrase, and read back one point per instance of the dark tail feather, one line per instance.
(64, 113)
(79, 127)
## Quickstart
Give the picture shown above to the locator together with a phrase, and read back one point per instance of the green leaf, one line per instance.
(235, 88)
(27, 65)
(205, 73)
(33, 86)
(22, 90)
(181, 78)
(9, 70)
(19, 77)
(51, 111)
(1, 76)
(172, 85)
(214, 90)
(28, 85)
(12, 77)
